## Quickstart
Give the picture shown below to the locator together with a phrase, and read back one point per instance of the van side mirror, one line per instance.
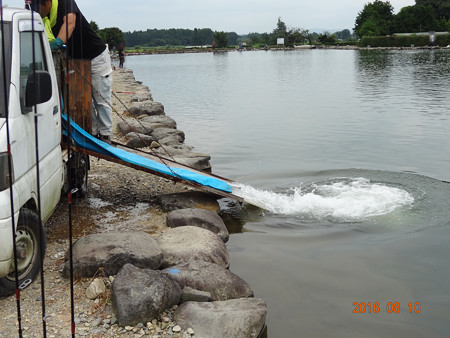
(39, 88)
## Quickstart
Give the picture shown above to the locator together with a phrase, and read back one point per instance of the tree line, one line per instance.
(378, 18)
(375, 19)
(174, 37)
(206, 36)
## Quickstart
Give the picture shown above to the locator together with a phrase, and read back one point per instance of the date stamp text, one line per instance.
(389, 307)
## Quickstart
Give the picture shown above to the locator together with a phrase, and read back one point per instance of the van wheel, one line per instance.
(28, 249)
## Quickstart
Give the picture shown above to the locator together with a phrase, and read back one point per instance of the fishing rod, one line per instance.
(71, 190)
(35, 6)
(10, 171)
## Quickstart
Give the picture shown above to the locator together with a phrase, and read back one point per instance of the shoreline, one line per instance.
(275, 49)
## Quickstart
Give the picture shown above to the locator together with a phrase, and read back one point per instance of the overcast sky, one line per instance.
(240, 16)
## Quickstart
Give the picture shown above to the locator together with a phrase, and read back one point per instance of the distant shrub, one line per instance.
(404, 41)
(443, 40)
(395, 41)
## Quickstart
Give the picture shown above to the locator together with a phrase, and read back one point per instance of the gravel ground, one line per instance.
(118, 198)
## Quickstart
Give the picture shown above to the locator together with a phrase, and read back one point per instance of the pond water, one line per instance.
(347, 151)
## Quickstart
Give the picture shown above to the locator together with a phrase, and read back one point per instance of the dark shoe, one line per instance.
(105, 138)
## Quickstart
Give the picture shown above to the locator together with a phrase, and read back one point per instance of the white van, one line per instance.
(28, 91)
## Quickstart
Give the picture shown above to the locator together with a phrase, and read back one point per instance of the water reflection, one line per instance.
(413, 79)
(374, 72)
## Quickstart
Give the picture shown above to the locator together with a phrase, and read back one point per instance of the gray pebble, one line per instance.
(96, 331)
(97, 322)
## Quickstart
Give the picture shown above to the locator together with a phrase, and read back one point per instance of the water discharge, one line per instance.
(338, 199)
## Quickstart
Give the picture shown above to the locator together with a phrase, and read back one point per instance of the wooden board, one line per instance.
(164, 161)
(79, 99)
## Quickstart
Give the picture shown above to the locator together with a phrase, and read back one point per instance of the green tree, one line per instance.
(413, 19)
(195, 38)
(327, 38)
(441, 8)
(343, 35)
(112, 36)
(281, 28)
(254, 39)
(375, 19)
(232, 38)
(296, 36)
(312, 37)
(265, 38)
(94, 26)
(221, 39)
(279, 32)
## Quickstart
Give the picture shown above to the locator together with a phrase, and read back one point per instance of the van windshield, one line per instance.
(5, 65)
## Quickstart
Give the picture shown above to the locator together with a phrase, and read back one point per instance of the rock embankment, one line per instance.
(184, 270)
(150, 257)
(144, 124)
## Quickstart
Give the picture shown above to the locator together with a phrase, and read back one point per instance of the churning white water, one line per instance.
(348, 199)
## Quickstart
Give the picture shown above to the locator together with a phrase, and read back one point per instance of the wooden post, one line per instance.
(80, 100)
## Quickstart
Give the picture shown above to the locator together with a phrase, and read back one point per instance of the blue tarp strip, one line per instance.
(85, 140)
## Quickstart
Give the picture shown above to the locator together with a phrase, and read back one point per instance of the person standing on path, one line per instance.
(121, 57)
(66, 25)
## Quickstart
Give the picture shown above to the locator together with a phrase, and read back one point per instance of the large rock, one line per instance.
(202, 218)
(111, 251)
(160, 121)
(136, 140)
(161, 133)
(185, 155)
(189, 294)
(142, 94)
(237, 318)
(199, 163)
(170, 141)
(190, 199)
(133, 125)
(181, 150)
(219, 282)
(146, 108)
(140, 295)
(185, 244)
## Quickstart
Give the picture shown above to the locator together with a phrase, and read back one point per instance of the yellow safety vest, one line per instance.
(50, 20)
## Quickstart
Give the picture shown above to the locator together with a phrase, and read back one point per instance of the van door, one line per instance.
(35, 55)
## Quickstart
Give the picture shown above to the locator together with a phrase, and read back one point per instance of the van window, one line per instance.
(27, 66)
(5, 65)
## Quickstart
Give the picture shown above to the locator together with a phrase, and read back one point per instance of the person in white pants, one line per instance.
(66, 26)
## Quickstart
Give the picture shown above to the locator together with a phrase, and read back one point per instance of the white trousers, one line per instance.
(101, 77)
